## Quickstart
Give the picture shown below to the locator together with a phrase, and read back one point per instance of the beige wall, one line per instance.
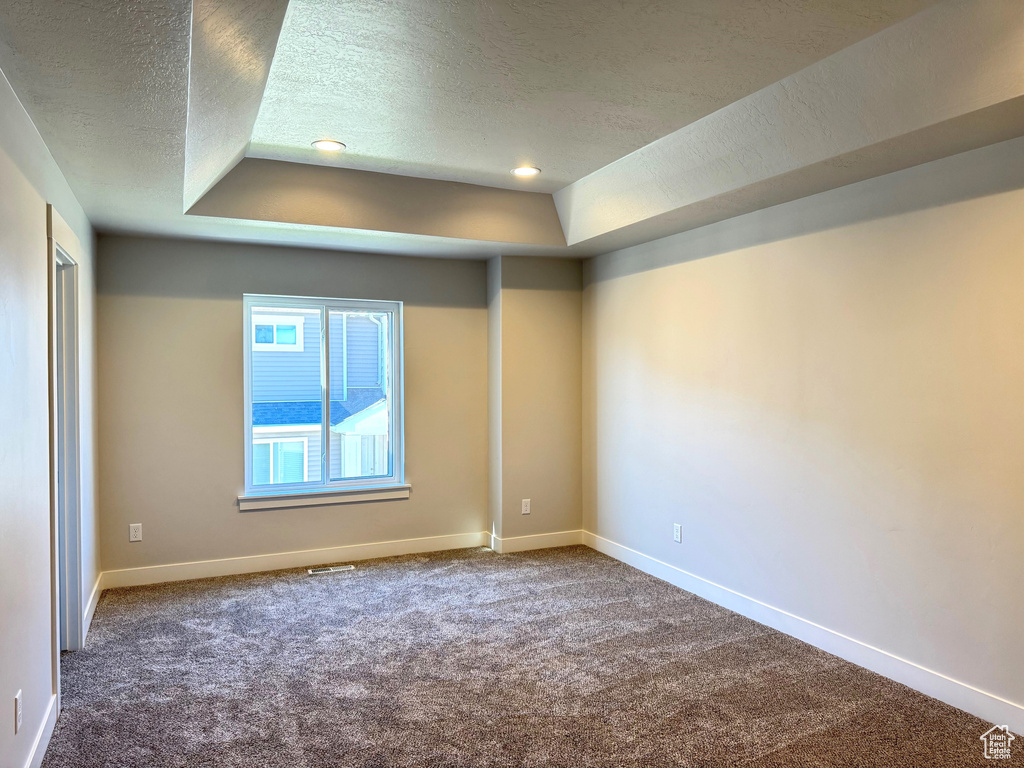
(171, 431)
(827, 395)
(29, 179)
(536, 410)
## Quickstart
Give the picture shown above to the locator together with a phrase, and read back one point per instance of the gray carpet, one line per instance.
(557, 657)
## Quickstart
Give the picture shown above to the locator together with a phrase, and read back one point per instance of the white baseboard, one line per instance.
(35, 757)
(90, 607)
(536, 541)
(202, 569)
(985, 705)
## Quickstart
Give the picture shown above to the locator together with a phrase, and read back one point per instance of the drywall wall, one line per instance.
(536, 317)
(171, 398)
(827, 396)
(29, 179)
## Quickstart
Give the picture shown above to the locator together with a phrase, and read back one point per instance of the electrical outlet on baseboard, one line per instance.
(526, 506)
(677, 533)
(135, 532)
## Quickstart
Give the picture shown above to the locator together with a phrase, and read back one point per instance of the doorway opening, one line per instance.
(67, 465)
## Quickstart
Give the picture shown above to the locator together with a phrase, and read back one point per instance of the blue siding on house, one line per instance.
(281, 376)
(363, 352)
(363, 340)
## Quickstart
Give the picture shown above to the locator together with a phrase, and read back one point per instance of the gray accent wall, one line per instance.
(535, 410)
(172, 438)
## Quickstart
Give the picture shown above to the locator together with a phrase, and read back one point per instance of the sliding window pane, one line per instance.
(360, 394)
(287, 395)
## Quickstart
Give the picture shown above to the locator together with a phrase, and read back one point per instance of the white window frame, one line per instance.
(387, 487)
(275, 320)
(271, 441)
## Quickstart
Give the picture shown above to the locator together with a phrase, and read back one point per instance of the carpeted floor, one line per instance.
(558, 657)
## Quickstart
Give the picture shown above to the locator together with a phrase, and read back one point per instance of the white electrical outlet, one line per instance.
(135, 532)
(677, 533)
(17, 712)
(526, 506)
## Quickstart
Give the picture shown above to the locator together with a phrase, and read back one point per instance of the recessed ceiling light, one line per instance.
(525, 170)
(328, 145)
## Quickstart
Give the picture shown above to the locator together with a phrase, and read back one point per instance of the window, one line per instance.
(278, 332)
(323, 384)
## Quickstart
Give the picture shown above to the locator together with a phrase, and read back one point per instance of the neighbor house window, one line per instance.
(323, 387)
(280, 461)
(277, 333)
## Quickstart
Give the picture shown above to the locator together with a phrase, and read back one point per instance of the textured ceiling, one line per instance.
(465, 90)
(448, 89)
(233, 42)
(106, 83)
(943, 82)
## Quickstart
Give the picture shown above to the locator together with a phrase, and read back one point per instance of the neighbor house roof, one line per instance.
(309, 411)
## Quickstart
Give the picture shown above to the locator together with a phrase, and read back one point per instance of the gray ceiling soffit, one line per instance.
(311, 195)
(944, 81)
(233, 43)
(992, 125)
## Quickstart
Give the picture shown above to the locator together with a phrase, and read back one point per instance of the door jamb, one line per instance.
(62, 244)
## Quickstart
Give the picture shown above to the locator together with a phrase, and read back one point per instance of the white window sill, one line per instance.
(321, 498)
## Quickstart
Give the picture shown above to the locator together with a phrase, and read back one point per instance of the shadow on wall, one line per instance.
(970, 175)
(206, 269)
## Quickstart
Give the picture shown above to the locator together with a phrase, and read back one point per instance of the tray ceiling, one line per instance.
(158, 110)
(465, 90)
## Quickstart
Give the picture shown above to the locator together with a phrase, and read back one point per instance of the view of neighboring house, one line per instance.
(287, 396)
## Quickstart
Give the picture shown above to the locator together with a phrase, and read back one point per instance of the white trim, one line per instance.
(64, 249)
(536, 541)
(158, 574)
(395, 384)
(259, 430)
(35, 755)
(66, 411)
(987, 706)
(90, 607)
(323, 498)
